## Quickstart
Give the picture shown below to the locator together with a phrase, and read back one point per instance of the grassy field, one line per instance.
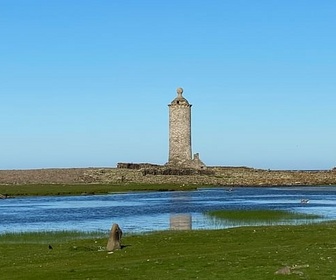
(82, 189)
(238, 253)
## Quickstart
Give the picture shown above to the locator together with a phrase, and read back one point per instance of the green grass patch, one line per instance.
(232, 218)
(86, 189)
(46, 237)
(238, 253)
(259, 215)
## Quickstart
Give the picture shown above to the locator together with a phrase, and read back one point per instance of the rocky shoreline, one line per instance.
(220, 176)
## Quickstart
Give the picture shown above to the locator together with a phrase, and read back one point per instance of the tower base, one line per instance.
(195, 163)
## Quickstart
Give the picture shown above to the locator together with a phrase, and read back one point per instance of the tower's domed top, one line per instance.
(180, 99)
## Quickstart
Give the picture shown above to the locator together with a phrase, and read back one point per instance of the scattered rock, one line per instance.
(155, 174)
(286, 270)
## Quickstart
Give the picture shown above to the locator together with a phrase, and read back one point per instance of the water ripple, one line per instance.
(142, 212)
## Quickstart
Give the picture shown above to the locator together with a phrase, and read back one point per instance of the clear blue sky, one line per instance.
(86, 83)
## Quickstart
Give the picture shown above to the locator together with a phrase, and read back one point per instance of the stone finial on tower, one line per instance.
(179, 92)
(180, 100)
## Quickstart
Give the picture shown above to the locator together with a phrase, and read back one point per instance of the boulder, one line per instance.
(114, 241)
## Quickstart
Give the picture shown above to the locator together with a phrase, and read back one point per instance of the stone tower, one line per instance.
(179, 130)
(180, 134)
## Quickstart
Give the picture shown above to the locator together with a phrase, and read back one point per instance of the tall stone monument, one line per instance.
(180, 134)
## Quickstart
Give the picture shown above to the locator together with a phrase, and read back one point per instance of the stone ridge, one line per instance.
(219, 176)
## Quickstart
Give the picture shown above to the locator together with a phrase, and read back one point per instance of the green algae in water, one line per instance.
(259, 217)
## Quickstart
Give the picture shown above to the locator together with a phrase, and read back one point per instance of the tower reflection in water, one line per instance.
(180, 221)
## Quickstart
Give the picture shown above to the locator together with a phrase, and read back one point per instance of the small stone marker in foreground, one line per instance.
(114, 241)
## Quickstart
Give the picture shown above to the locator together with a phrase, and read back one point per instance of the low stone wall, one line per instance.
(136, 166)
(175, 171)
(225, 176)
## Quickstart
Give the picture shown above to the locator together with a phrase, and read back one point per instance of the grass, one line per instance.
(86, 189)
(232, 218)
(45, 237)
(238, 253)
(259, 215)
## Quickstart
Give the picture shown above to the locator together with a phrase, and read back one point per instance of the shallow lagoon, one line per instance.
(148, 211)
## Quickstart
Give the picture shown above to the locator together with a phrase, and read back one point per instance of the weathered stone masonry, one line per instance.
(179, 130)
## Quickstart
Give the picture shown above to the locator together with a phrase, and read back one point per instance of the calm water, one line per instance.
(142, 212)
